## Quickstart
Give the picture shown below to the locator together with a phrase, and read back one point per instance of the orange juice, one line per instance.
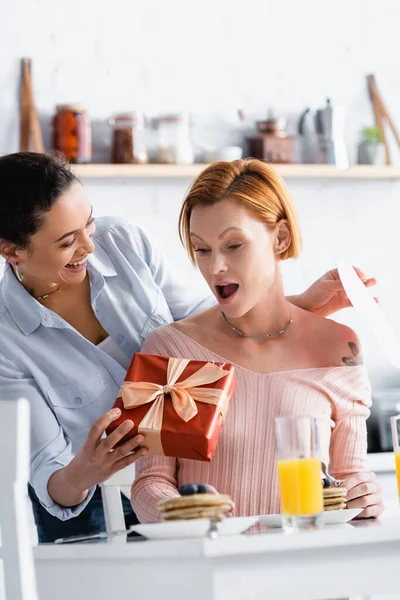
(397, 457)
(300, 486)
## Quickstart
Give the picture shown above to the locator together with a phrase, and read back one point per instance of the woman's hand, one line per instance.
(211, 490)
(98, 459)
(364, 491)
(326, 295)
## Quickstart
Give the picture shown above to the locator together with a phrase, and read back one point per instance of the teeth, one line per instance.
(78, 263)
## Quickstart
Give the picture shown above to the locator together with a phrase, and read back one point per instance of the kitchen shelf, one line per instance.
(153, 171)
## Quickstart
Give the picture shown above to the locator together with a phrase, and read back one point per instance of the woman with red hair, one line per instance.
(238, 223)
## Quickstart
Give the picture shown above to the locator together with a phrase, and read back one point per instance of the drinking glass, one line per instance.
(299, 472)
(395, 423)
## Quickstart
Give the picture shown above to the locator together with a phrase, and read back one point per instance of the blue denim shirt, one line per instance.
(68, 381)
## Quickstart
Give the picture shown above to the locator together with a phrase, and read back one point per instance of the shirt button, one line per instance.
(120, 338)
(96, 308)
(44, 318)
(78, 400)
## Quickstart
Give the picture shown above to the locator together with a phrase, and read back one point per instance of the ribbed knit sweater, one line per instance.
(244, 464)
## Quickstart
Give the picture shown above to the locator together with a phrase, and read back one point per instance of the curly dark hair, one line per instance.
(30, 184)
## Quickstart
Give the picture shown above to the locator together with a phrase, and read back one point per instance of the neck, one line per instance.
(38, 288)
(270, 315)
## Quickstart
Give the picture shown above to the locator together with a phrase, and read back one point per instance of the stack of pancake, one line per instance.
(334, 498)
(200, 505)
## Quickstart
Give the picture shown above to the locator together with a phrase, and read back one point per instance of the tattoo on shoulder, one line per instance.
(356, 359)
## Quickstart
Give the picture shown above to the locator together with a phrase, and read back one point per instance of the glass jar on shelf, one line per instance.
(174, 144)
(128, 144)
(72, 133)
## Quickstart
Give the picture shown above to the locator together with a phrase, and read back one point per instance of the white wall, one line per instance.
(214, 56)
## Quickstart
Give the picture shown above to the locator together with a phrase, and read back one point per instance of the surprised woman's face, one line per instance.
(235, 254)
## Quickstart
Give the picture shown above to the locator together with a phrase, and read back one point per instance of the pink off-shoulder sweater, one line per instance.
(244, 464)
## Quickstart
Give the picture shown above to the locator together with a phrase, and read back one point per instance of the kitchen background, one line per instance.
(213, 58)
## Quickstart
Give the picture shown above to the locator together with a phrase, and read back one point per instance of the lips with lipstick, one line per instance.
(226, 290)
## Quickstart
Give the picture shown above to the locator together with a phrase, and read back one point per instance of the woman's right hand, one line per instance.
(99, 458)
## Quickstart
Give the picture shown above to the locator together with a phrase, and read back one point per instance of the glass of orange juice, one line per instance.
(299, 472)
(395, 423)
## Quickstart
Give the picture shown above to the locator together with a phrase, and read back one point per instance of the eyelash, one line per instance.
(69, 244)
(233, 248)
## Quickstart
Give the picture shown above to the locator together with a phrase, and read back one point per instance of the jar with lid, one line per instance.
(174, 144)
(129, 139)
(72, 133)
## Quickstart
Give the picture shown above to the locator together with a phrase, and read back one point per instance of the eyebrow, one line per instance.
(75, 231)
(221, 235)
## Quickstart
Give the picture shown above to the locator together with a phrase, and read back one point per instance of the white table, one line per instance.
(334, 562)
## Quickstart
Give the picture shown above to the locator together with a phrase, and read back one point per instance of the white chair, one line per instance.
(112, 502)
(18, 582)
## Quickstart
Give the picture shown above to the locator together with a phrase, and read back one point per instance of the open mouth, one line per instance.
(77, 266)
(227, 290)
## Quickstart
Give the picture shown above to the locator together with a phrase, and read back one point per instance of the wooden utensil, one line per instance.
(381, 113)
(30, 130)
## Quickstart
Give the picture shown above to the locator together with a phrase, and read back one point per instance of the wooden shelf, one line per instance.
(108, 171)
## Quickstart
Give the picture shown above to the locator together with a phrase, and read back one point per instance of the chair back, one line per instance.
(19, 582)
(112, 501)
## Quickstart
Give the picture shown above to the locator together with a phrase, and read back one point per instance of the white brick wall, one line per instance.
(355, 220)
(204, 55)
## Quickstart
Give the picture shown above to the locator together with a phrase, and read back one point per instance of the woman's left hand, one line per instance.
(212, 490)
(364, 491)
(326, 295)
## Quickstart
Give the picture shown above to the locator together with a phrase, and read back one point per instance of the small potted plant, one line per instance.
(371, 150)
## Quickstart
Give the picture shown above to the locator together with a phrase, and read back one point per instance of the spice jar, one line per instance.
(129, 139)
(174, 144)
(72, 133)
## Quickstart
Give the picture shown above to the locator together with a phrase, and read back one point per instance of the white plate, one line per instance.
(335, 517)
(192, 528)
(329, 517)
(364, 303)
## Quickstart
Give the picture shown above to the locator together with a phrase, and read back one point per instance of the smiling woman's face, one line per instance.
(58, 252)
(235, 254)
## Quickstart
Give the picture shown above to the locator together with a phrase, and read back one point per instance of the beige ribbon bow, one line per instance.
(184, 396)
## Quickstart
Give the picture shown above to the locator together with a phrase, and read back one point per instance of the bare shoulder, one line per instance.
(201, 322)
(202, 328)
(336, 344)
(346, 345)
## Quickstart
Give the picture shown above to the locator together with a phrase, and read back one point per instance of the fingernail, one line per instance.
(128, 425)
(139, 439)
(116, 412)
(144, 451)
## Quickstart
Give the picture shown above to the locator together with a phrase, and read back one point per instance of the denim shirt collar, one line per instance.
(27, 313)
(101, 262)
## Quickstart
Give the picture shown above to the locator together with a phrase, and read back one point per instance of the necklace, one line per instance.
(47, 295)
(263, 335)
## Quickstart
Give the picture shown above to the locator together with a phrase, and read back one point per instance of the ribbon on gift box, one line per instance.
(184, 396)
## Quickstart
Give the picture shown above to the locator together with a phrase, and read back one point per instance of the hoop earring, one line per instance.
(19, 274)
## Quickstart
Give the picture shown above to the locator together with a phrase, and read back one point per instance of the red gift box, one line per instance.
(179, 405)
